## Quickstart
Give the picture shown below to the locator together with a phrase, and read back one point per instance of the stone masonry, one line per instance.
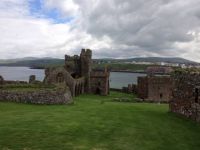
(99, 82)
(36, 97)
(185, 95)
(155, 88)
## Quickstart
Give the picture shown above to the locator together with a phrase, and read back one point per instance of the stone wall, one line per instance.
(155, 88)
(86, 68)
(80, 66)
(61, 75)
(131, 88)
(36, 97)
(160, 88)
(2, 81)
(100, 82)
(142, 86)
(185, 95)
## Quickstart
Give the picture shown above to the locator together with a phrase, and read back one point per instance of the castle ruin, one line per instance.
(78, 75)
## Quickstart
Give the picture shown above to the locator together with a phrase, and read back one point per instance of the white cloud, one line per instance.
(24, 35)
(67, 7)
(13, 8)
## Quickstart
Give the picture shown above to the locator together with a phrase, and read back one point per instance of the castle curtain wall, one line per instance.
(186, 95)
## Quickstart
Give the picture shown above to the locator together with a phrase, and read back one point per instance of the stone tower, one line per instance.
(69, 63)
(72, 65)
(86, 63)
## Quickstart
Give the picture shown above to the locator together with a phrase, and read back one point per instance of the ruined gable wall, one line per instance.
(100, 82)
(52, 77)
(61, 75)
(73, 64)
(159, 88)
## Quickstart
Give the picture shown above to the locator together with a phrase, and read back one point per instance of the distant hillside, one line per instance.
(163, 59)
(45, 62)
(6, 61)
(151, 60)
(34, 62)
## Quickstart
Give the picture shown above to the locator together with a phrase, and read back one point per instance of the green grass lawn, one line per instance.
(26, 87)
(95, 123)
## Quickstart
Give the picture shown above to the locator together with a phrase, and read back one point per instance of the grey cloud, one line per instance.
(151, 25)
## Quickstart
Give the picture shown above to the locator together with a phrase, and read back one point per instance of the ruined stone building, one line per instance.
(186, 94)
(99, 82)
(155, 88)
(78, 75)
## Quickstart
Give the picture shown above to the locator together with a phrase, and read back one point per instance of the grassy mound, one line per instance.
(96, 123)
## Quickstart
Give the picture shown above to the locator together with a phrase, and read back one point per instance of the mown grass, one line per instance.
(26, 87)
(95, 123)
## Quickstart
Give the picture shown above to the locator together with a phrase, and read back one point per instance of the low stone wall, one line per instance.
(36, 97)
(131, 88)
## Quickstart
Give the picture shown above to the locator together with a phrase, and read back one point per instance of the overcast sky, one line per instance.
(111, 28)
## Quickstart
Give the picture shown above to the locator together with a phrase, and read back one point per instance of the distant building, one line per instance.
(158, 70)
(183, 66)
(169, 64)
(142, 63)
